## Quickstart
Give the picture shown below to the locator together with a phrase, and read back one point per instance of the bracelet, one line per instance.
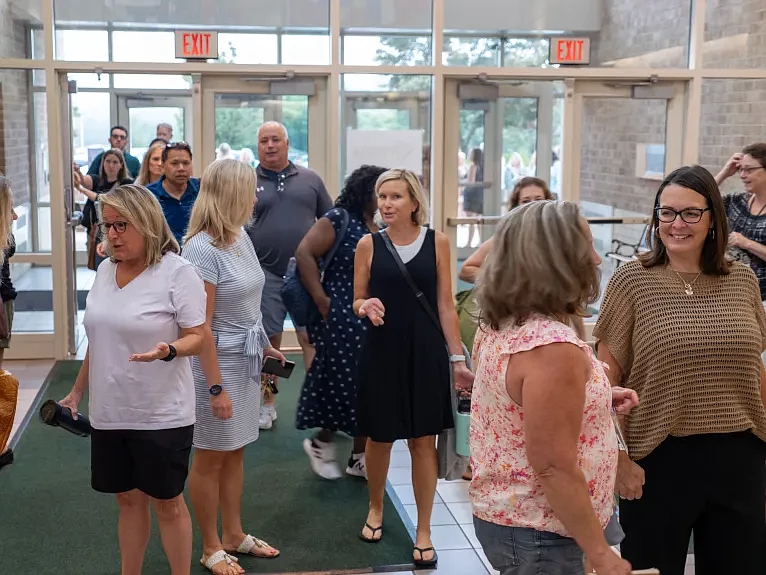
(456, 358)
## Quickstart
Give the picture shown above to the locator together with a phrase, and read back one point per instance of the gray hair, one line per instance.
(166, 126)
(273, 124)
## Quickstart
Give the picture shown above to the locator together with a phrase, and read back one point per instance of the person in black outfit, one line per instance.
(404, 365)
(112, 173)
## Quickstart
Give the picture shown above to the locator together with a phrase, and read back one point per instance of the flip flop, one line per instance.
(425, 562)
(218, 557)
(374, 530)
(249, 543)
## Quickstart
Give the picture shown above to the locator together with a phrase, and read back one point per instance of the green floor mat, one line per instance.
(51, 522)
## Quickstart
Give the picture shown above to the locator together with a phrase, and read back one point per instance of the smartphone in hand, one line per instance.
(272, 366)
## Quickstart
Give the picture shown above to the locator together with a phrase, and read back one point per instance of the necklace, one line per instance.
(688, 289)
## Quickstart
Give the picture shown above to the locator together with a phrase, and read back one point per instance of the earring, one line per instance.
(712, 233)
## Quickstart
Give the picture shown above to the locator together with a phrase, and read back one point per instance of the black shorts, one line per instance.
(153, 461)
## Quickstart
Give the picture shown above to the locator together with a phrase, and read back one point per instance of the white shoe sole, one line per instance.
(354, 473)
(264, 425)
(316, 465)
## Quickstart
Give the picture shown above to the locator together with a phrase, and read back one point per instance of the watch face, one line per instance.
(215, 390)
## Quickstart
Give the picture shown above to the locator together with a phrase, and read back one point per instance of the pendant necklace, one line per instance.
(688, 286)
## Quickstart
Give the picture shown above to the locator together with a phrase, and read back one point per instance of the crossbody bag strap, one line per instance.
(419, 295)
(336, 244)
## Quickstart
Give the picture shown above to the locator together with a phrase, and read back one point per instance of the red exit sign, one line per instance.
(196, 45)
(570, 51)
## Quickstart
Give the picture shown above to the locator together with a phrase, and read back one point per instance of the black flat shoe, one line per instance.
(6, 458)
(426, 562)
(374, 531)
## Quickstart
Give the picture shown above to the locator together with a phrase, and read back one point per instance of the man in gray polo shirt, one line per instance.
(290, 200)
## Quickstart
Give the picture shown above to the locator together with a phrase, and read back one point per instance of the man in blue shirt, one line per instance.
(118, 138)
(176, 189)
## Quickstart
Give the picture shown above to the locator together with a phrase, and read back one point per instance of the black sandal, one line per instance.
(426, 562)
(6, 458)
(374, 531)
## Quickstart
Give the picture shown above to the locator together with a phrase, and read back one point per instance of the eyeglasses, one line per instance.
(689, 215)
(118, 226)
(119, 137)
(749, 170)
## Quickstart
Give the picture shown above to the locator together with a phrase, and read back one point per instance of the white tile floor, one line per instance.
(451, 524)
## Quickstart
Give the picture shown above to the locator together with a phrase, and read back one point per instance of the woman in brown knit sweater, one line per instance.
(685, 328)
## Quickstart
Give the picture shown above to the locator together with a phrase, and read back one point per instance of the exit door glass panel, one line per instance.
(622, 161)
(382, 119)
(238, 117)
(143, 122)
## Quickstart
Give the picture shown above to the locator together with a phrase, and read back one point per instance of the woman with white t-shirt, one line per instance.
(142, 409)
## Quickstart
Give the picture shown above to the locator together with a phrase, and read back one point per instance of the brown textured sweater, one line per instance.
(694, 360)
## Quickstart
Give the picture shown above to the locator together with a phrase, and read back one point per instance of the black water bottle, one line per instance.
(53, 414)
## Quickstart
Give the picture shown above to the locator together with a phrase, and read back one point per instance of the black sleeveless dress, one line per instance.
(403, 378)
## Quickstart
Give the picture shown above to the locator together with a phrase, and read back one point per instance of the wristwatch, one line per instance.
(456, 358)
(172, 353)
(215, 389)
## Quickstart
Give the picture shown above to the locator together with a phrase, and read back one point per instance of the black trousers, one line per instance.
(711, 485)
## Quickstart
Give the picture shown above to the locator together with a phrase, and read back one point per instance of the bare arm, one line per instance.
(208, 355)
(754, 248)
(446, 303)
(470, 270)
(553, 379)
(83, 376)
(315, 244)
(362, 260)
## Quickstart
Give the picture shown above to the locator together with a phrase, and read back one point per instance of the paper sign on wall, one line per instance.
(385, 148)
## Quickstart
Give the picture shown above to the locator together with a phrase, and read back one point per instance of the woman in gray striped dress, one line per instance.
(227, 371)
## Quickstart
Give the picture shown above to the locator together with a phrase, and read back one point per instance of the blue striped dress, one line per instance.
(239, 337)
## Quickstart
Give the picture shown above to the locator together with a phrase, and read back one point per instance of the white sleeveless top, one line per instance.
(408, 252)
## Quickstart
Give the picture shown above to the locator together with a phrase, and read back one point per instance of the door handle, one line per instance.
(75, 219)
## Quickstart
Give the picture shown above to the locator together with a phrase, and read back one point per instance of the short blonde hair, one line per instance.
(540, 262)
(225, 201)
(142, 210)
(420, 215)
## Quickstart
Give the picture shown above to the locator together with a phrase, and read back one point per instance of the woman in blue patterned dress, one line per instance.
(328, 398)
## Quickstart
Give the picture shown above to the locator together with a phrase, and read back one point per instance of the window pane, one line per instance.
(387, 121)
(82, 45)
(386, 50)
(198, 14)
(526, 52)
(90, 80)
(152, 81)
(734, 34)
(306, 49)
(90, 126)
(624, 33)
(142, 126)
(389, 16)
(42, 174)
(471, 51)
(248, 48)
(34, 300)
(144, 47)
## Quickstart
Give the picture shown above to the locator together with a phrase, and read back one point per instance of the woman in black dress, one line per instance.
(404, 366)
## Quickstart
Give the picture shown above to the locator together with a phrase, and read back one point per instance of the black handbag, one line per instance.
(296, 298)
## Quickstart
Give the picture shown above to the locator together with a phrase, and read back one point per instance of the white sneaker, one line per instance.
(264, 420)
(272, 412)
(356, 466)
(322, 458)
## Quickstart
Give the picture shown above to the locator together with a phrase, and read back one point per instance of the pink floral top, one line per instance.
(505, 489)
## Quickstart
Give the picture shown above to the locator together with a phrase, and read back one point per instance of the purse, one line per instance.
(296, 298)
(452, 445)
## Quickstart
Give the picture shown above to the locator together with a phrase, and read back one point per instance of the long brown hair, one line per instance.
(122, 174)
(713, 259)
(540, 262)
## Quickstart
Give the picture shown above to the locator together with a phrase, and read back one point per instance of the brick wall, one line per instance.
(15, 141)
(656, 33)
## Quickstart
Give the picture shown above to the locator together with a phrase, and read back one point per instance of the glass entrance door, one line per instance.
(234, 109)
(141, 113)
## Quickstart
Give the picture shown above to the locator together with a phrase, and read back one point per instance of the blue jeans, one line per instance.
(523, 551)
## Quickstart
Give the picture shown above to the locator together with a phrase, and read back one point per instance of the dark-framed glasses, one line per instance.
(118, 226)
(689, 215)
(747, 170)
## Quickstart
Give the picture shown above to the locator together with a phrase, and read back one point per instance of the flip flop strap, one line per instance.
(249, 542)
(218, 557)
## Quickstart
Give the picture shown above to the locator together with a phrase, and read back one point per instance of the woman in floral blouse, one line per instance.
(543, 442)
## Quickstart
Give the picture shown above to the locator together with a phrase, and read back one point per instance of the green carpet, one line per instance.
(51, 522)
